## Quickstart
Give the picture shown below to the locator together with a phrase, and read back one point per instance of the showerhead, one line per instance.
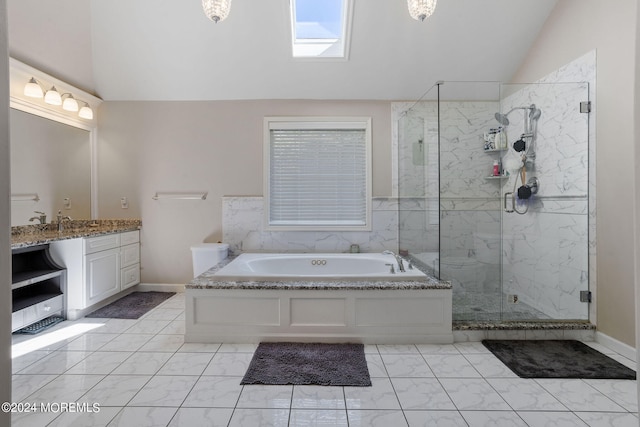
(502, 119)
(534, 113)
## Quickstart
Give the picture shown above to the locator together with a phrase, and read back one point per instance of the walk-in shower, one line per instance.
(452, 216)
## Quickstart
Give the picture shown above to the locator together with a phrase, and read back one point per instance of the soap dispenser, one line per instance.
(496, 168)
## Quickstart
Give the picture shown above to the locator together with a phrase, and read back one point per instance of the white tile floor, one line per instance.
(141, 373)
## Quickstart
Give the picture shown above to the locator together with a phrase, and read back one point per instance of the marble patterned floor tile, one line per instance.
(609, 419)
(57, 362)
(196, 417)
(23, 385)
(318, 418)
(86, 419)
(421, 394)
(100, 362)
(375, 365)
(237, 348)
(32, 419)
(115, 390)
(127, 342)
(143, 417)
(623, 392)
(577, 395)
(376, 418)
(317, 397)
(489, 366)
(163, 314)
(471, 347)
(260, 417)
(148, 327)
(435, 418)
(380, 395)
(164, 343)
(265, 396)
(397, 349)
(406, 365)
(525, 395)
(437, 349)
(175, 327)
(471, 394)
(229, 364)
(21, 362)
(113, 326)
(371, 348)
(164, 391)
(493, 419)
(89, 342)
(142, 363)
(214, 392)
(65, 388)
(186, 364)
(451, 366)
(556, 419)
(196, 347)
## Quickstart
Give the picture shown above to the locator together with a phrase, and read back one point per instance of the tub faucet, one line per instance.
(42, 217)
(61, 218)
(398, 259)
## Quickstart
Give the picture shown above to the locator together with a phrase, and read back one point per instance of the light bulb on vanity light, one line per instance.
(69, 103)
(33, 89)
(53, 96)
(86, 112)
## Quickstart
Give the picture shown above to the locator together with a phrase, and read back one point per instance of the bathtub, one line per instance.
(317, 298)
(323, 266)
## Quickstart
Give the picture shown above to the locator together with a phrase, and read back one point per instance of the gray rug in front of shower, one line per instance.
(133, 305)
(284, 363)
(557, 359)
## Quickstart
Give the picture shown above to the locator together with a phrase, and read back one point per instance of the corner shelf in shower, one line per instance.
(497, 177)
(496, 150)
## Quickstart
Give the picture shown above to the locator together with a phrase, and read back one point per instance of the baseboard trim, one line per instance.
(617, 346)
(159, 287)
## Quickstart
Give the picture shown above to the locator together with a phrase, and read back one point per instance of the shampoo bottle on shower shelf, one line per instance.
(496, 168)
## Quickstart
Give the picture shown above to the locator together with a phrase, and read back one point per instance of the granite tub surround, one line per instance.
(312, 310)
(33, 235)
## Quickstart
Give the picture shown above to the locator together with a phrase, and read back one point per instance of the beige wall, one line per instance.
(215, 146)
(574, 28)
(5, 224)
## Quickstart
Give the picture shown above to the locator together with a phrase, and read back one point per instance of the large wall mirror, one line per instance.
(53, 151)
(50, 169)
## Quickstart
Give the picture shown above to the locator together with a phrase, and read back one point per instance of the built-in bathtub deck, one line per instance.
(318, 310)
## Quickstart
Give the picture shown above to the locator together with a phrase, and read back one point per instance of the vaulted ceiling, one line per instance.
(168, 49)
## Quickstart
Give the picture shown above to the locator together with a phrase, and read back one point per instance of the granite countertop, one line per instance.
(207, 280)
(32, 235)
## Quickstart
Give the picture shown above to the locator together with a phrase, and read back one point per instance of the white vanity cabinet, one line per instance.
(98, 268)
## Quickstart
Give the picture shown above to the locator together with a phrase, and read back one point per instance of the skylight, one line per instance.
(320, 28)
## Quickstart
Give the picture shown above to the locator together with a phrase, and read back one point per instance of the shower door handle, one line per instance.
(506, 195)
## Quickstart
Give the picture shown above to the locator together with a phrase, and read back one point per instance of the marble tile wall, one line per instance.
(243, 229)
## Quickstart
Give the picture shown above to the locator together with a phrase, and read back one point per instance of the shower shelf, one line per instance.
(496, 150)
(497, 177)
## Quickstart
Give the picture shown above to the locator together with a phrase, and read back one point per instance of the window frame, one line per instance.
(301, 123)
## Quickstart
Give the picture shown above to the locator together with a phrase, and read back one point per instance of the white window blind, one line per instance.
(319, 174)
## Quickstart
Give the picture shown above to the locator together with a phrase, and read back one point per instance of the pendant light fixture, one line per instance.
(421, 9)
(216, 10)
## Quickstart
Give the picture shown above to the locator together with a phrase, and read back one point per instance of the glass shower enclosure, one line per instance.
(493, 196)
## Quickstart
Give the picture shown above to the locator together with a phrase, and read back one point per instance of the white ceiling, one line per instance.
(168, 49)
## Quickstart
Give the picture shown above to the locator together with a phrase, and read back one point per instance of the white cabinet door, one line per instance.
(102, 275)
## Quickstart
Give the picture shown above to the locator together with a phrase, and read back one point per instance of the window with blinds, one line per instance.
(318, 173)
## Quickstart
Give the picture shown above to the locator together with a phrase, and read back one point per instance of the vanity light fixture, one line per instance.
(421, 9)
(53, 96)
(69, 103)
(33, 89)
(216, 10)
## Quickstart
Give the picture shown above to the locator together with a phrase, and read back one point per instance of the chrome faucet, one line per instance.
(60, 219)
(398, 259)
(42, 217)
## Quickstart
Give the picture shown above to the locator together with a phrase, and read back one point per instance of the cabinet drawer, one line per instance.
(129, 237)
(17, 320)
(49, 307)
(101, 243)
(129, 255)
(130, 276)
(30, 315)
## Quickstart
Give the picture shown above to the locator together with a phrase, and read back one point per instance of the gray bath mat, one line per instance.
(557, 359)
(133, 305)
(285, 363)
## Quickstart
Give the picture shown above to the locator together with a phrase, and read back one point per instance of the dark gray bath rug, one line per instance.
(557, 359)
(284, 363)
(133, 305)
